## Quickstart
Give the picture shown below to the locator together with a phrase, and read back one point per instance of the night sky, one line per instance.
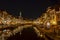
(30, 8)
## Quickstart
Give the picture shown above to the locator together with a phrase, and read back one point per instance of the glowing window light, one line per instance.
(54, 22)
(41, 22)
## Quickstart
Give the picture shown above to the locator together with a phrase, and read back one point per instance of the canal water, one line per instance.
(27, 34)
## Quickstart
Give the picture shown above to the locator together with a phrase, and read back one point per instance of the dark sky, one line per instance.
(29, 8)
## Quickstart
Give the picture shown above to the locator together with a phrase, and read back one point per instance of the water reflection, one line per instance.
(27, 34)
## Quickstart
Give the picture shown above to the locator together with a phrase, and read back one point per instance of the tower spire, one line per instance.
(20, 15)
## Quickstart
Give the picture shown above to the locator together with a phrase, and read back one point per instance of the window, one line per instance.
(58, 22)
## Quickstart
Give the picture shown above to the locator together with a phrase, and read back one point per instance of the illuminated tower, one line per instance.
(20, 15)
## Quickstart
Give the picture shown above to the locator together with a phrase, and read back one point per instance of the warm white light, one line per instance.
(4, 30)
(48, 24)
(41, 35)
(53, 22)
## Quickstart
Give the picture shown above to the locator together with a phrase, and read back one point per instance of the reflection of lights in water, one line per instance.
(4, 30)
(7, 31)
(4, 21)
(41, 35)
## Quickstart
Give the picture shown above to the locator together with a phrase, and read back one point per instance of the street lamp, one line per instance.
(48, 24)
